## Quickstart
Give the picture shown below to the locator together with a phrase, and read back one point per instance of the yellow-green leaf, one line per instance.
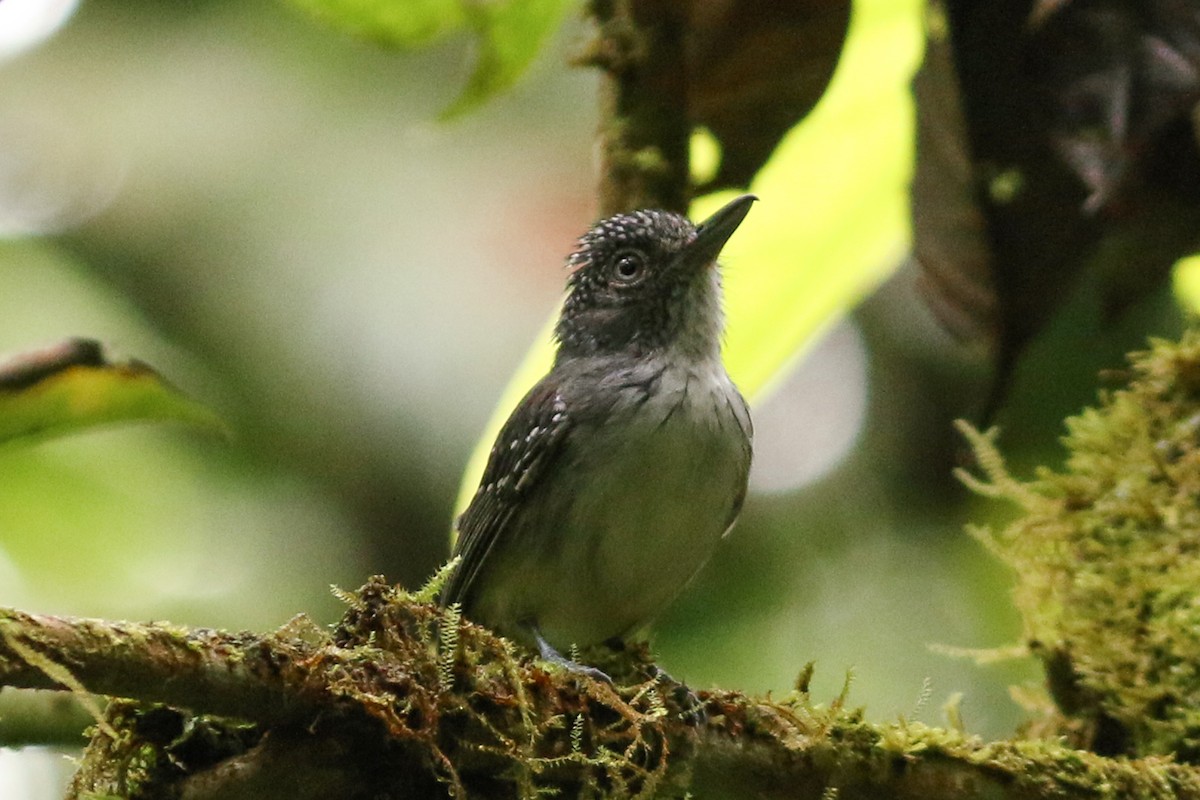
(72, 386)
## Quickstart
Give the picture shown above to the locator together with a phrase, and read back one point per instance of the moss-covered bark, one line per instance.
(1107, 558)
(404, 700)
(646, 125)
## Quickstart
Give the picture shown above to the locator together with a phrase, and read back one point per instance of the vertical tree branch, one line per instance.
(645, 125)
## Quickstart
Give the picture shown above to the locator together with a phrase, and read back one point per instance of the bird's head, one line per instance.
(647, 281)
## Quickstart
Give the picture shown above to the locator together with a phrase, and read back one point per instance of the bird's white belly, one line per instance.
(661, 495)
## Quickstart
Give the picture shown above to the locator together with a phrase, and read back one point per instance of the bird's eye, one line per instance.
(629, 266)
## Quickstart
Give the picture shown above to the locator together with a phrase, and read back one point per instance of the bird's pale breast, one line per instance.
(655, 488)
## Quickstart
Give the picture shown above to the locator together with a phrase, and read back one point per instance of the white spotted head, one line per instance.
(647, 280)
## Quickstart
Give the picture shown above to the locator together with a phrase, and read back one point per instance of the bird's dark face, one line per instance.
(645, 281)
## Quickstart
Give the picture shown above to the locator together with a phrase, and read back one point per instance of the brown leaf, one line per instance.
(755, 68)
(949, 232)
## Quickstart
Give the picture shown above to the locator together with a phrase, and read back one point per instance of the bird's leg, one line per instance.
(548, 653)
(691, 708)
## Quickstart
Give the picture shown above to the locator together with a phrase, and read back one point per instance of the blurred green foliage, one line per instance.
(509, 34)
(409, 24)
(1186, 280)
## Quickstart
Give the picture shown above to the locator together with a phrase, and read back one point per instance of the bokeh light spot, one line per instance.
(1186, 282)
(24, 24)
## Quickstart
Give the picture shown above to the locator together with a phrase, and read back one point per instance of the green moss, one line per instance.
(1107, 558)
(406, 682)
(143, 749)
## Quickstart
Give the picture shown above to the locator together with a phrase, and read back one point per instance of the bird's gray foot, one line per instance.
(548, 653)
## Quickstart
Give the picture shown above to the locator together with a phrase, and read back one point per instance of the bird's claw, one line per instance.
(691, 707)
(548, 653)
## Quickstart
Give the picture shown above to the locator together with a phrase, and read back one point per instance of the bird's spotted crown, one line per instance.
(632, 287)
(651, 231)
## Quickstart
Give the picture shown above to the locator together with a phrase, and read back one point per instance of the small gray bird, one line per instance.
(617, 474)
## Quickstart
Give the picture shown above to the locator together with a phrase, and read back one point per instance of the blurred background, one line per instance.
(273, 216)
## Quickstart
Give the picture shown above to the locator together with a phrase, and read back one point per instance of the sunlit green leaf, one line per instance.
(832, 223)
(72, 386)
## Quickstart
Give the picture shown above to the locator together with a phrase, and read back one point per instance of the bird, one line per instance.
(615, 477)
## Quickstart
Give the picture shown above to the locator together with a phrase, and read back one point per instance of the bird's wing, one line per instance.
(530, 440)
(741, 415)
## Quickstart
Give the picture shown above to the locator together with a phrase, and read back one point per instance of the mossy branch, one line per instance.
(220, 673)
(406, 699)
(377, 707)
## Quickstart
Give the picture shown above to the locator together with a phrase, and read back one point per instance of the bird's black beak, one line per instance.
(714, 232)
